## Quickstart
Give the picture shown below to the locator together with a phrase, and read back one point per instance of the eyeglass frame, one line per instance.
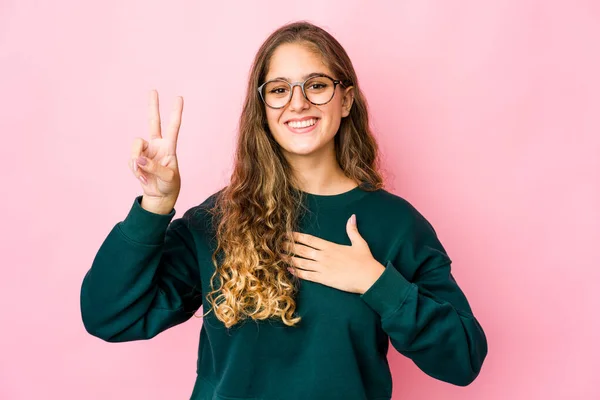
(292, 85)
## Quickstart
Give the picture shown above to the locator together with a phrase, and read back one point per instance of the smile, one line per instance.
(302, 126)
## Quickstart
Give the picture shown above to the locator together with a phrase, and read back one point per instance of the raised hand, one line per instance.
(154, 162)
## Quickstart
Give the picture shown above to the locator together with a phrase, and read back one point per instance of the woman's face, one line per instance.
(294, 62)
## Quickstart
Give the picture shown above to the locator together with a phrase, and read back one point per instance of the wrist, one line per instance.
(161, 206)
(375, 272)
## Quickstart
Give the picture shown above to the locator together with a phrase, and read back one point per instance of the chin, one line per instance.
(300, 152)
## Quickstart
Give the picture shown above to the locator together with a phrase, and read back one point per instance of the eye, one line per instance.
(279, 90)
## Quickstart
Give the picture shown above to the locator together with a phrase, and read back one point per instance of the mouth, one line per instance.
(302, 126)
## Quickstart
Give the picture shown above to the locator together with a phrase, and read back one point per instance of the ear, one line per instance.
(347, 101)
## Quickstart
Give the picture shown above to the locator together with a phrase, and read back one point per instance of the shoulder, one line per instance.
(394, 204)
(399, 211)
(200, 217)
(411, 230)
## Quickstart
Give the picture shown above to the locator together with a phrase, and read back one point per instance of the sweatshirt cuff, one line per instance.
(143, 226)
(388, 292)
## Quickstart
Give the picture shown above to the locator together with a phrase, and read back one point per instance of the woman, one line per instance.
(300, 304)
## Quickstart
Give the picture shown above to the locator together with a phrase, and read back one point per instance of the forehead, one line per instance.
(293, 61)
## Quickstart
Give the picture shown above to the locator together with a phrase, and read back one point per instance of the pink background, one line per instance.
(488, 117)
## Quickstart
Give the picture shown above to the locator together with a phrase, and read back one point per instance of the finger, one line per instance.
(175, 122)
(137, 149)
(304, 264)
(154, 115)
(302, 274)
(151, 167)
(142, 178)
(310, 240)
(138, 173)
(301, 250)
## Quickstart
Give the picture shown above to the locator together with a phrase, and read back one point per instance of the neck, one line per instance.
(320, 174)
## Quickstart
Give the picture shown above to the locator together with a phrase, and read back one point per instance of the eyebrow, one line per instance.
(305, 77)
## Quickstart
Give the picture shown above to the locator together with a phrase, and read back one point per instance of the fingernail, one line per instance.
(142, 160)
(135, 166)
(144, 181)
(353, 219)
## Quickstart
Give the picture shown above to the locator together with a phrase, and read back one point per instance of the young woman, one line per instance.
(304, 264)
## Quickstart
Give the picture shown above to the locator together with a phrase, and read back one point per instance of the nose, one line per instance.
(298, 102)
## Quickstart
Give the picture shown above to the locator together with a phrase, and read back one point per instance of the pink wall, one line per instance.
(488, 115)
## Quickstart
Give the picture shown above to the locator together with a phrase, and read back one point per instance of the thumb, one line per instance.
(155, 168)
(352, 231)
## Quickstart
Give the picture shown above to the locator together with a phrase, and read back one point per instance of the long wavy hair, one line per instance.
(261, 205)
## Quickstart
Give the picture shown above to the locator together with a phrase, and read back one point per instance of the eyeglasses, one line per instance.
(317, 89)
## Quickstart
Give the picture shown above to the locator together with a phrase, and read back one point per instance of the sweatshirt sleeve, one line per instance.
(428, 319)
(144, 278)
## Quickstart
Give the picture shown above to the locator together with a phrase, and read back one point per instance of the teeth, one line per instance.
(302, 124)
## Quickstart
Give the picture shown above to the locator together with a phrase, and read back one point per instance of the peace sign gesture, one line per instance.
(154, 162)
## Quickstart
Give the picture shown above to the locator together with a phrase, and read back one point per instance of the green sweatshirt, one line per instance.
(152, 271)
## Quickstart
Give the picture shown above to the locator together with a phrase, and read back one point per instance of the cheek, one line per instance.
(273, 118)
(332, 117)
